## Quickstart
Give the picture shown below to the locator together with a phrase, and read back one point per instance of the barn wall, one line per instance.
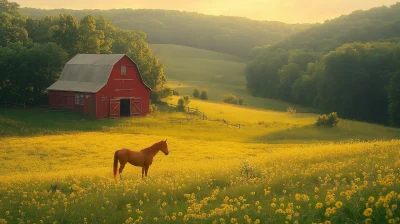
(66, 100)
(122, 86)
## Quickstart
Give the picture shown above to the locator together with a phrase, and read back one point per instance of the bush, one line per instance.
(229, 98)
(232, 99)
(240, 101)
(196, 93)
(183, 102)
(291, 110)
(328, 120)
(176, 93)
(204, 94)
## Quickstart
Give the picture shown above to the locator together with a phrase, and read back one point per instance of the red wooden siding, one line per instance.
(119, 86)
(123, 86)
(66, 100)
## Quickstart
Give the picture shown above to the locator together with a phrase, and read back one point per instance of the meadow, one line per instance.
(278, 168)
(189, 68)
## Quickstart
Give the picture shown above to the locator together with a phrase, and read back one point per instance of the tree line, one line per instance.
(350, 65)
(227, 34)
(34, 51)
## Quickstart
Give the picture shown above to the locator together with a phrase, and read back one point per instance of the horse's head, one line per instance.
(164, 147)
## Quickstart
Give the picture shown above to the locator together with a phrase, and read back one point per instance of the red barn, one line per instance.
(104, 85)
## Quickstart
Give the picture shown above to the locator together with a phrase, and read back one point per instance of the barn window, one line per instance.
(123, 70)
(79, 99)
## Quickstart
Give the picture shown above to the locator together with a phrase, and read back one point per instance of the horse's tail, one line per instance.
(115, 163)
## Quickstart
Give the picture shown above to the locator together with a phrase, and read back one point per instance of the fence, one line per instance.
(197, 113)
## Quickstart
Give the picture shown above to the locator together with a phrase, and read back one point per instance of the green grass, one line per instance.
(258, 126)
(188, 68)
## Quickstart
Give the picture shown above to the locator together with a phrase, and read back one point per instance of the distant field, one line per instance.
(188, 68)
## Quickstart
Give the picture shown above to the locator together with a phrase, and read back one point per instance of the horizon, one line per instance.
(286, 11)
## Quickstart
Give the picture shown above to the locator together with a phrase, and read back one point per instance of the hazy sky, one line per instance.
(291, 11)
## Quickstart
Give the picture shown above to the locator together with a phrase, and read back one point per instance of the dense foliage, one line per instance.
(232, 35)
(327, 120)
(33, 51)
(183, 102)
(348, 65)
(232, 99)
(204, 94)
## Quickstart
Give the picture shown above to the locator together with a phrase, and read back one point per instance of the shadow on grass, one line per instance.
(17, 122)
(346, 131)
(32, 122)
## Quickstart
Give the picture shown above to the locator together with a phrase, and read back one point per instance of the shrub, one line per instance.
(176, 93)
(240, 101)
(291, 110)
(183, 102)
(232, 99)
(229, 98)
(328, 120)
(196, 93)
(204, 94)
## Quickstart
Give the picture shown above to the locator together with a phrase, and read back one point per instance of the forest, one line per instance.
(34, 51)
(350, 65)
(227, 34)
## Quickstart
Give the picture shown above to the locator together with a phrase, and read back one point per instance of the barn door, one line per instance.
(136, 106)
(114, 108)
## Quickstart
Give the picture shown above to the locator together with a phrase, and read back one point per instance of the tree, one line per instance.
(288, 75)
(29, 71)
(183, 102)
(204, 94)
(12, 24)
(92, 41)
(66, 33)
(196, 93)
(394, 99)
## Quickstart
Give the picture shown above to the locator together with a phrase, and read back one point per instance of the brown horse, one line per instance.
(144, 158)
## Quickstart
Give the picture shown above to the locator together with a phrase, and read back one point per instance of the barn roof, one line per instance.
(88, 73)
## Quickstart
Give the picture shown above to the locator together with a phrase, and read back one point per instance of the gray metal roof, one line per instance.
(87, 73)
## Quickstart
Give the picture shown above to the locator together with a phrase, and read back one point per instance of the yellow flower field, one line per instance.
(67, 178)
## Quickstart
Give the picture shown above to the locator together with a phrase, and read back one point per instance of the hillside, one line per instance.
(349, 65)
(232, 35)
(188, 68)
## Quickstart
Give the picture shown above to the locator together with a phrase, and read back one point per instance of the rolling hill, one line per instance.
(232, 35)
(187, 68)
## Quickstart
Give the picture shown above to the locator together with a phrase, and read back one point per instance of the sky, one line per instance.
(289, 11)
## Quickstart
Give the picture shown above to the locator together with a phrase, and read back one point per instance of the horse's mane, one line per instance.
(149, 149)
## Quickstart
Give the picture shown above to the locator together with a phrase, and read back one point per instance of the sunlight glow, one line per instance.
(289, 11)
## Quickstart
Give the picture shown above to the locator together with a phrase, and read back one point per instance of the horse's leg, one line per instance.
(146, 169)
(142, 171)
(120, 170)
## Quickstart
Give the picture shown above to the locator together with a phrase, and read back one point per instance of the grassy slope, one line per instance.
(188, 68)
